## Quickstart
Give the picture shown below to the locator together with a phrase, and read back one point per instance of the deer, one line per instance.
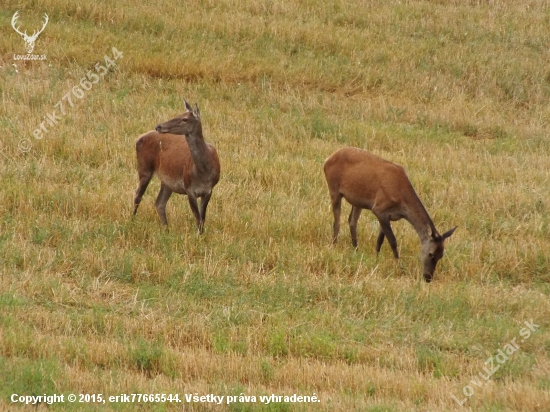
(367, 181)
(185, 165)
(29, 40)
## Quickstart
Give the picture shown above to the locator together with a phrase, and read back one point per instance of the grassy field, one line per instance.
(95, 302)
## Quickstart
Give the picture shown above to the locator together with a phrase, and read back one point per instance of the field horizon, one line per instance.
(93, 301)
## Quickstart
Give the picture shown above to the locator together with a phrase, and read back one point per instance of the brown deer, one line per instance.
(367, 181)
(188, 166)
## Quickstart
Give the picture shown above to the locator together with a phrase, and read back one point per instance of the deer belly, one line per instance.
(175, 185)
(358, 201)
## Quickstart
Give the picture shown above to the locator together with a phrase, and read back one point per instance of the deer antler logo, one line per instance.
(29, 40)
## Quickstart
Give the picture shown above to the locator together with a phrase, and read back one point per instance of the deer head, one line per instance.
(183, 124)
(432, 252)
(29, 40)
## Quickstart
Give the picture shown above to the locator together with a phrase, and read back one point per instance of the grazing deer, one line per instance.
(29, 40)
(369, 182)
(188, 166)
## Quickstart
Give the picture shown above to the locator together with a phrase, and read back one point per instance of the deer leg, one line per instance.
(336, 209)
(160, 203)
(380, 240)
(144, 180)
(353, 218)
(195, 209)
(204, 203)
(388, 232)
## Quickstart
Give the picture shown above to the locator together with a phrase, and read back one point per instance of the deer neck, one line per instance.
(199, 150)
(418, 217)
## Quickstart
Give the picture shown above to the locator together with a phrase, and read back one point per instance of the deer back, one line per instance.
(366, 180)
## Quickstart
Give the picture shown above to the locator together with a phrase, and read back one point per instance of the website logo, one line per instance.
(29, 40)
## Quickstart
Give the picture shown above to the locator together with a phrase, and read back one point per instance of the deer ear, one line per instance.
(449, 233)
(187, 106)
(196, 111)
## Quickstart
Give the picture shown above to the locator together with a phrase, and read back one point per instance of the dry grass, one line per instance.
(92, 301)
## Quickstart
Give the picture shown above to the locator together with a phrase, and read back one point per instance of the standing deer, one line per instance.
(29, 40)
(188, 166)
(369, 182)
